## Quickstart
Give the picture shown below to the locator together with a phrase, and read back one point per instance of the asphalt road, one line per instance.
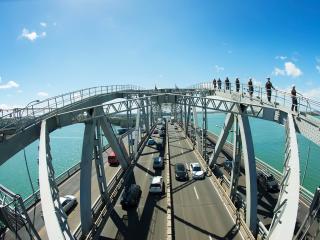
(148, 220)
(70, 187)
(199, 213)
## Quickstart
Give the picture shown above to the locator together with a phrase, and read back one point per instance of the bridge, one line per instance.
(195, 209)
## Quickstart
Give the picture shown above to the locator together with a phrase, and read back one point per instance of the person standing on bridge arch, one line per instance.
(237, 84)
(219, 84)
(250, 88)
(214, 83)
(227, 83)
(268, 89)
(294, 99)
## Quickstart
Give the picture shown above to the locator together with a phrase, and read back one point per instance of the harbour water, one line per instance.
(66, 145)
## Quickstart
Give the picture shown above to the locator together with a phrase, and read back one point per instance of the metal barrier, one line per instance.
(23, 116)
(305, 105)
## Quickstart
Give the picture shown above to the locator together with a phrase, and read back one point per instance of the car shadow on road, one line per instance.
(180, 154)
(184, 185)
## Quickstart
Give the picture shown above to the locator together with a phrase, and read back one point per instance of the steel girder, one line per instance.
(286, 210)
(54, 216)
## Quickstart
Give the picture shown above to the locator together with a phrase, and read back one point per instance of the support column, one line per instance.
(54, 216)
(204, 130)
(85, 176)
(235, 173)
(137, 133)
(113, 141)
(250, 170)
(187, 119)
(145, 114)
(286, 210)
(196, 128)
(222, 139)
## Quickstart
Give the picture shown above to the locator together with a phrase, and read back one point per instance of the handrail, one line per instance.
(305, 104)
(25, 115)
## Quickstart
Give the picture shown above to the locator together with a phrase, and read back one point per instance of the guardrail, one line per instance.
(100, 209)
(305, 105)
(24, 116)
(306, 195)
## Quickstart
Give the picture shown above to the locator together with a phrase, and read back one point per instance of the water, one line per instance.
(268, 139)
(66, 145)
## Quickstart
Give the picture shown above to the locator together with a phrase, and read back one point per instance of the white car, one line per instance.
(156, 185)
(67, 202)
(196, 171)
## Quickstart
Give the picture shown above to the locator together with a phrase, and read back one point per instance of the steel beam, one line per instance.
(250, 170)
(85, 176)
(137, 133)
(235, 173)
(54, 216)
(222, 139)
(286, 210)
(114, 144)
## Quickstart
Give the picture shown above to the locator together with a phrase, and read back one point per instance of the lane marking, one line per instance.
(181, 151)
(210, 237)
(195, 191)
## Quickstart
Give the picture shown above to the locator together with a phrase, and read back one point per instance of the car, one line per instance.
(122, 131)
(156, 131)
(163, 128)
(68, 202)
(158, 163)
(159, 146)
(157, 185)
(131, 196)
(181, 171)
(227, 164)
(267, 181)
(176, 127)
(151, 142)
(162, 134)
(196, 171)
(112, 159)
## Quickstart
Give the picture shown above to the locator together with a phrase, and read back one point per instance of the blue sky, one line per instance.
(52, 47)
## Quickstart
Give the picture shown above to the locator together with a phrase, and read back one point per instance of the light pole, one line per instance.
(26, 107)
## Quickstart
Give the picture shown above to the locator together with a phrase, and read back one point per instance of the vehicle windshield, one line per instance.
(196, 168)
(180, 168)
(65, 202)
(157, 160)
(155, 185)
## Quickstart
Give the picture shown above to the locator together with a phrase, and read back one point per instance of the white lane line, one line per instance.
(210, 237)
(195, 191)
(181, 151)
(180, 142)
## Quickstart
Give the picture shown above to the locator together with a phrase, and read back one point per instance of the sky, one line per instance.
(52, 47)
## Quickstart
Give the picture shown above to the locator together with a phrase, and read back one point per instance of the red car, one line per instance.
(112, 158)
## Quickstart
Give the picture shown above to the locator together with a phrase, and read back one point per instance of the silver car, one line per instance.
(68, 202)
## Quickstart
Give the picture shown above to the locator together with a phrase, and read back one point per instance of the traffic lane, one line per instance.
(266, 200)
(142, 221)
(193, 204)
(72, 187)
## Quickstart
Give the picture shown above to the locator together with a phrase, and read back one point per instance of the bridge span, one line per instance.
(194, 209)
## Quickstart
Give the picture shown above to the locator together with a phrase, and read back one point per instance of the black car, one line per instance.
(227, 164)
(267, 181)
(131, 196)
(181, 171)
(162, 134)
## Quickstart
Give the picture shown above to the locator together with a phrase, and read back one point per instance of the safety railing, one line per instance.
(259, 93)
(21, 117)
(305, 195)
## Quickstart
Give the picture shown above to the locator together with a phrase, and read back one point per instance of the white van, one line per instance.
(156, 185)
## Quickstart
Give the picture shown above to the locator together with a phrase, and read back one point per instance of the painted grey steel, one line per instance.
(250, 170)
(310, 217)
(286, 210)
(222, 139)
(85, 176)
(235, 173)
(137, 133)
(113, 141)
(98, 157)
(196, 127)
(204, 132)
(54, 216)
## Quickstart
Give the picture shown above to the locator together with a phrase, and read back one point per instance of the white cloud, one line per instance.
(42, 94)
(292, 70)
(219, 68)
(8, 85)
(31, 36)
(313, 93)
(281, 57)
(43, 24)
(278, 72)
(318, 68)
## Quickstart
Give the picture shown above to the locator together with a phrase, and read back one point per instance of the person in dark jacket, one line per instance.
(294, 99)
(237, 84)
(219, 84)
(214, 83)
(250, 88)
(227, 83)
(269, 86)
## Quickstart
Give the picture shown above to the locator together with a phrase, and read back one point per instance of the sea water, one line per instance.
(66, 146)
